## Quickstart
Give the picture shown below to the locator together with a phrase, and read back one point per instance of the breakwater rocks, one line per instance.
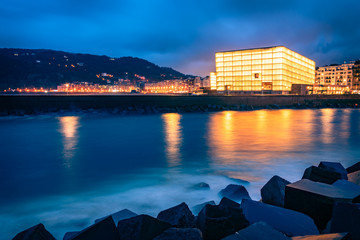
(143, 104)
(324, 204)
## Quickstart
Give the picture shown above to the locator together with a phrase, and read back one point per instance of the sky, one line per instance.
(183, 34)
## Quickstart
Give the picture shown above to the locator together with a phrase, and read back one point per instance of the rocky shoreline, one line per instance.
(324, 204)
(141, 104)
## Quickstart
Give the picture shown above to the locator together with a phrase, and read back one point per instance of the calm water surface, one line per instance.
(66, 171)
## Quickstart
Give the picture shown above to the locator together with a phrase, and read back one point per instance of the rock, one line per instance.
(231, 237)
(317, 199)
(197, 208)
(216, 222)
(346, 218)
(234, 192)
(115, 111)
(141, 227)
(258, 231)
(104, 229)
(201, 186)
(228, 203)
(273, 192)
(180, 234)
(354, 177)
(289, 222)
(353, 168)
(318, 174)
(335, 167)
(70, 235)
(347, 187)
(275, 106)
(333, 236)
(37, 232)
(120, 215)
(3, 113)
(238, 180)
(179, 216)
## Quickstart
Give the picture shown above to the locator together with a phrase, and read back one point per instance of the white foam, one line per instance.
(72, 213)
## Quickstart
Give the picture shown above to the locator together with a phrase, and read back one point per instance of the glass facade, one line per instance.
(213, 81)
(263, 69)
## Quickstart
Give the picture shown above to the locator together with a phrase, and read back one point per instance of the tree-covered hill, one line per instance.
(48, 68)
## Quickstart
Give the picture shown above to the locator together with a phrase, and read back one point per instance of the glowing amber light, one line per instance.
(173, 137)
(249, 140)
(327, 116)
(213, 81)
(68, 128)
(272, 68)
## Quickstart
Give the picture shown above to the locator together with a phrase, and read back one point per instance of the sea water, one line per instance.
(65, 171)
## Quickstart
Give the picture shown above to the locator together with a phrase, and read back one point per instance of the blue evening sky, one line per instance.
(183, 34)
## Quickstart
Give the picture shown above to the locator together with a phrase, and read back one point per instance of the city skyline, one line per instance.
(183, 35)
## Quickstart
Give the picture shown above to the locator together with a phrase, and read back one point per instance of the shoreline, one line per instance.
(20, 105)
(324, 204)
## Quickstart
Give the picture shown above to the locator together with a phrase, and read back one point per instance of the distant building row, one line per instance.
(346, 75)
(85, 87)
(162, 87)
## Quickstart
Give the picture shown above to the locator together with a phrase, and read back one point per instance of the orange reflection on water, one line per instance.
(327, 116)
(344, 125)
(69, 129)
(173, 138)
(256, 138)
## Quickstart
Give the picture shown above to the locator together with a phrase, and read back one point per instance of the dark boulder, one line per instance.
(197, 208)
(120, 215)
(273, 192)
(232, 237)
(332, 236)
(180, 234)
(216, 222)
(234, 192)
(238, 180)
(179, 216)
(317, 199)
(141, 227)
(228, 203)
(353, 168)
(335, 167)
(201, 186)
(70, 235)
(346, 218)
(37, 232)
(354, 177)
(289, 222)
(318, 174)
(258, 231)
(104, 229)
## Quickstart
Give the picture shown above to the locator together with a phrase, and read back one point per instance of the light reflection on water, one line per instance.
(240, 142)
(173, 138)
(69, 130)
(345, 124)
(326, 123)
(148, 163)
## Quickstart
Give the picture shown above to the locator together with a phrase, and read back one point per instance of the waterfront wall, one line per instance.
(35, 104)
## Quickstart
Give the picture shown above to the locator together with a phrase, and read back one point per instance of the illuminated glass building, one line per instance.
(261, 70)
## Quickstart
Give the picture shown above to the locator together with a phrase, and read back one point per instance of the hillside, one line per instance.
(48, 68)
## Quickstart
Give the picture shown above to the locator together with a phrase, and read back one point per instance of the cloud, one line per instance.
(183, 34)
